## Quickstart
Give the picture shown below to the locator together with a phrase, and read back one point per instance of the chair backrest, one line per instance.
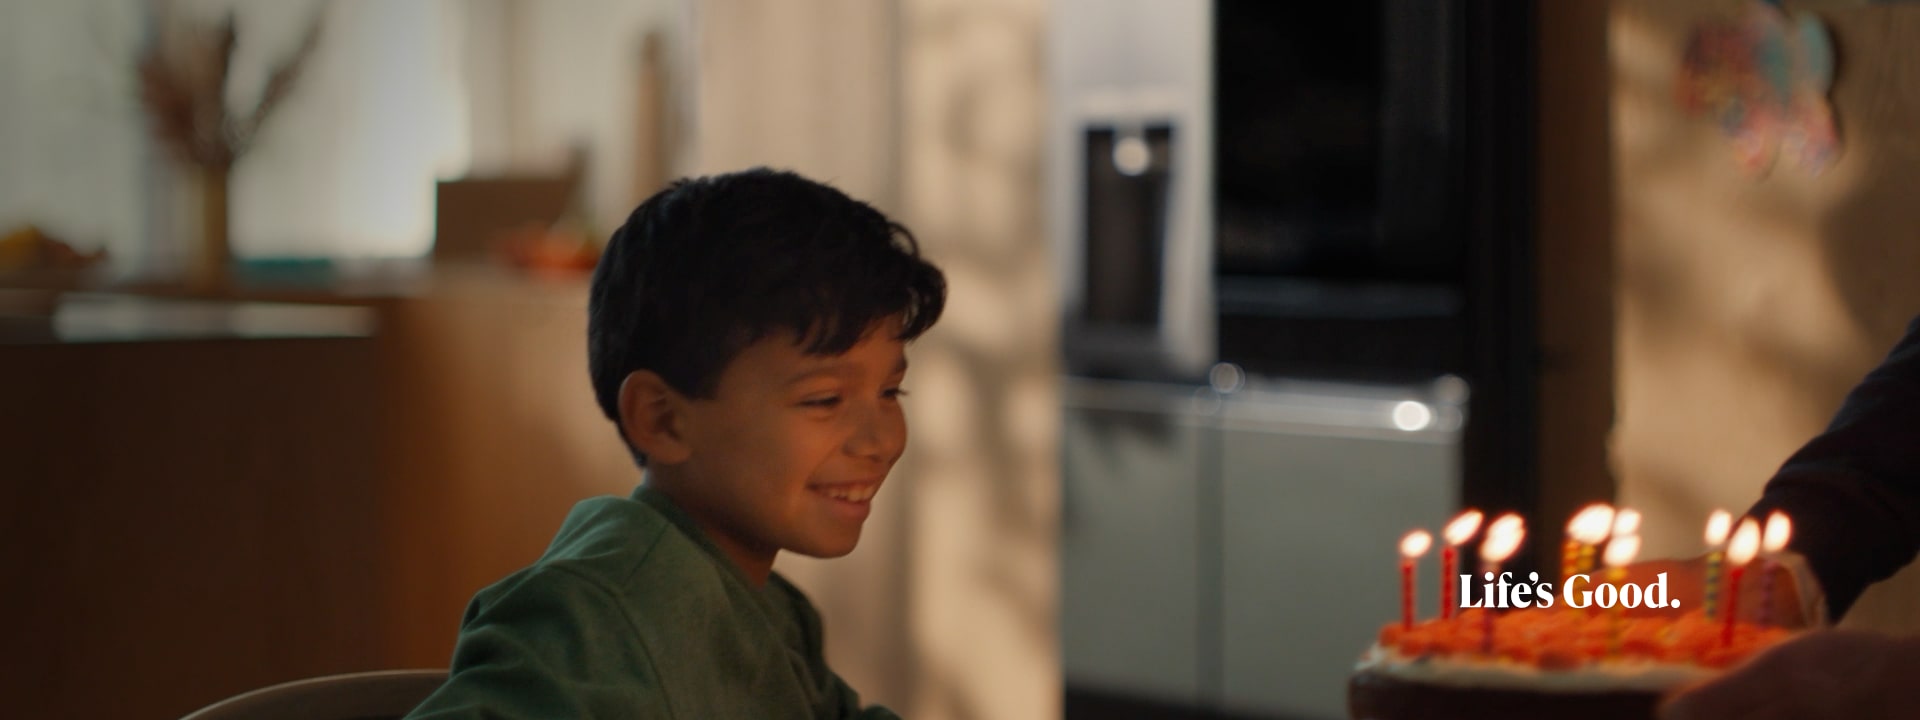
(379, 695)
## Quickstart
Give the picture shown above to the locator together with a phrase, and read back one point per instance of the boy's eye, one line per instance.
(825, 401)
(893, 393)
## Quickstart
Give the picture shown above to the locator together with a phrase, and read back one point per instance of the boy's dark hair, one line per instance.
(712, 264)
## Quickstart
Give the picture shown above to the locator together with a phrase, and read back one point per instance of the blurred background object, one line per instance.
(31, 257)
(1240, 290)
(1330, 198)
(184, 76)
(533, 223)
(35, 271)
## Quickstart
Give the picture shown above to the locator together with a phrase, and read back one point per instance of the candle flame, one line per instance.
(1717, 526)
(1779, 528)
(1503, 537)
(1746, 542)
(1621, 549)
(1508, 523)
(1415, 544)
(1626, 522)
(1463, 527)
(1590, 525)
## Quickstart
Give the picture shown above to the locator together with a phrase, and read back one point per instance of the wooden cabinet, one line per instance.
(187, 520)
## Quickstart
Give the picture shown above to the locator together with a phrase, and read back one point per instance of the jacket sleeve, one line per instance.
(1854, 492)
(852, 704)
(553, 645)
(834, 698)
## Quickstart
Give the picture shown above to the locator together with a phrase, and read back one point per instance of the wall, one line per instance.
(346, 167)
(72, 145)
(810, 87)
(543, 77)
(398, 94)
(931, 109)
(1746, 308)
(985, 506)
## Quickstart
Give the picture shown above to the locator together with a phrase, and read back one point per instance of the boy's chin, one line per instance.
(827, 549)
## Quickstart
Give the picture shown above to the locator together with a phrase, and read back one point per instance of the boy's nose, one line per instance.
(879, 433)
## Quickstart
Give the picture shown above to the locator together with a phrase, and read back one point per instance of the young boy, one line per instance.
(745, 334)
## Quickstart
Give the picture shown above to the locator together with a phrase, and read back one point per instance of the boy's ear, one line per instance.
(652, 414)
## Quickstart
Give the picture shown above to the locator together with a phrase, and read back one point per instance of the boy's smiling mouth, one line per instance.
(847, 492)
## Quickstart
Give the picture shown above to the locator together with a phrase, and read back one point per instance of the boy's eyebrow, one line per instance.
(831, 367)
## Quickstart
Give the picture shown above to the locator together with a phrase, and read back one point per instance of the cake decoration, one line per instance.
(1522, 649)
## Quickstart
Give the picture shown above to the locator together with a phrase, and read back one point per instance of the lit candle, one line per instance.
(1457, 533)
(1626, 522)
(1589, 528)
(1772, 541)
(1620, 552)
(1746, 542)
(1503, 537)
(1717, 526)
(1412, 547)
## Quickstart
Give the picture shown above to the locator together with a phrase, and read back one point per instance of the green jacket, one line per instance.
(634, 613)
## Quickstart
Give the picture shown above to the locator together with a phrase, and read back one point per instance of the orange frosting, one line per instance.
(1559, 639)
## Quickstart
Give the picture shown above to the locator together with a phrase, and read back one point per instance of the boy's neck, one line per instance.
(755, 565)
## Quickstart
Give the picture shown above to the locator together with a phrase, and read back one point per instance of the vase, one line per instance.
(212, 254)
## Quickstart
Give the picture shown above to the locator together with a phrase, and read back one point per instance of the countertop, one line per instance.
(89, 317)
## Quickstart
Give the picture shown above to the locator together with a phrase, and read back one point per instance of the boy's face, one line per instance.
(789, 451)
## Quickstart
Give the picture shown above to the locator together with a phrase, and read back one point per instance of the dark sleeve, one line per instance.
(1854, 492)
(833, 697)
(554, 645)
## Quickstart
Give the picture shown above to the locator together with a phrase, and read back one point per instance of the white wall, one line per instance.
(545, 76)
(347, 166)
(399, 94)
(71, 135)
(801, 85)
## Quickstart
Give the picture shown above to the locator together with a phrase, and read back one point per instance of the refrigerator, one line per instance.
(1233, 549)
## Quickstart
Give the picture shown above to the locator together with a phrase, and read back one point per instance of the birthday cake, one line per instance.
(1586, 657)
(1543, 663)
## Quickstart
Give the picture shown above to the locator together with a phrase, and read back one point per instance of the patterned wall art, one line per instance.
(1764, 79)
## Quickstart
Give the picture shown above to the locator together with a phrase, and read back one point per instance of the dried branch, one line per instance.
(279, 85)
(183, 83)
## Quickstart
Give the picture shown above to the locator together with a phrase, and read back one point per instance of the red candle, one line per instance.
(1740, 551)
(1733, 603)
(1457, 533)
(1412, 547)
(1406, 593)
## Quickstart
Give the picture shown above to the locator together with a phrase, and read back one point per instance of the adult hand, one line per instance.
(1823, 674)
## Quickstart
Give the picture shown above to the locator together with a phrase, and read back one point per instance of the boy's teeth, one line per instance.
(850, 493)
